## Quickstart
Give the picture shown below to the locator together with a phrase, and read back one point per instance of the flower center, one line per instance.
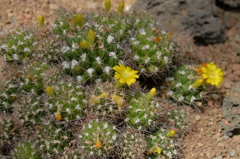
(125, 73)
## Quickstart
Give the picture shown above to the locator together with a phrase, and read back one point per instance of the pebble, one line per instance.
(214, 97)
(233, 153)
(197, 117)
(53, 6)
(237, 72)
(219, 157)
(227, 85)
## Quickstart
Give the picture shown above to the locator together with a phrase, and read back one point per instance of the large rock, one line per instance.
(229, 3)
(231, 112)
(200, 18)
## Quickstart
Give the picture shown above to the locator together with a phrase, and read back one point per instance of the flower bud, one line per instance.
(107, 5)
(171, 133)
(85, 45)
(152, 93)
(50, 91)
(121, 7)
(79, 20)
(91, 37)
(41, 20)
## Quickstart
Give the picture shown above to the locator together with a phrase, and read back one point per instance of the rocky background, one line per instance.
(213, 26)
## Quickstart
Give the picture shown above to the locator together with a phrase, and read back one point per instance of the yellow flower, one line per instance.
(171, 133)
(125, 74)
(212, 74)
(152, 93)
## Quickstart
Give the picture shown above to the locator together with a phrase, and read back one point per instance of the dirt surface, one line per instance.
(206, 139)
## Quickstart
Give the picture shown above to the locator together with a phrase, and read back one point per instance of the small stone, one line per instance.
(53, 6)
(225, 137)
(227, 85)
(237, 72)
(214, 97)
(233, 153)
(200, 144)
(231, 77)
(219, 157)
(197, 117)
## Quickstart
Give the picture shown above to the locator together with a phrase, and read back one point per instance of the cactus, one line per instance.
(180, 84)
(69, 101)
(31, 78)
(8, 131)
(98, 138)
(51, 139)
(106, 101)
(25, 150)
(9, 94)
(30, 111)
(178, 119)
(18, 46)
(142, 112)
(159, 145)
(132, 144)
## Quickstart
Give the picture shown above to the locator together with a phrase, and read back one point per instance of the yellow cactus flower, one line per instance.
(79, 20)
(98, 144)
(171, 133)
(50, 91)
(121, 7)
(91, 37)
(152, 93)
(125, 74)
(41, 20)
(107, 5)
(84, 45)
(212, 74)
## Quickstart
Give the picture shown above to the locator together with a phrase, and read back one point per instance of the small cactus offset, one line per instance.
(8, 131)
(25, 150)
(161, 144)
(143, 111)
(181, 82)
(9, 93)
(132, 144)
(30, 111)
(18, 46)
(98, 138)
(51, 140)
(178, 119)
(66, 101)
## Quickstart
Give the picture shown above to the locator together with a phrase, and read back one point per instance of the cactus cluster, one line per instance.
(18, 47)
(74, 92)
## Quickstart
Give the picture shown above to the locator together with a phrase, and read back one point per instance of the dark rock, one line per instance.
(231, 111)
(230, 19)
(229, 3)
(200, 18)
